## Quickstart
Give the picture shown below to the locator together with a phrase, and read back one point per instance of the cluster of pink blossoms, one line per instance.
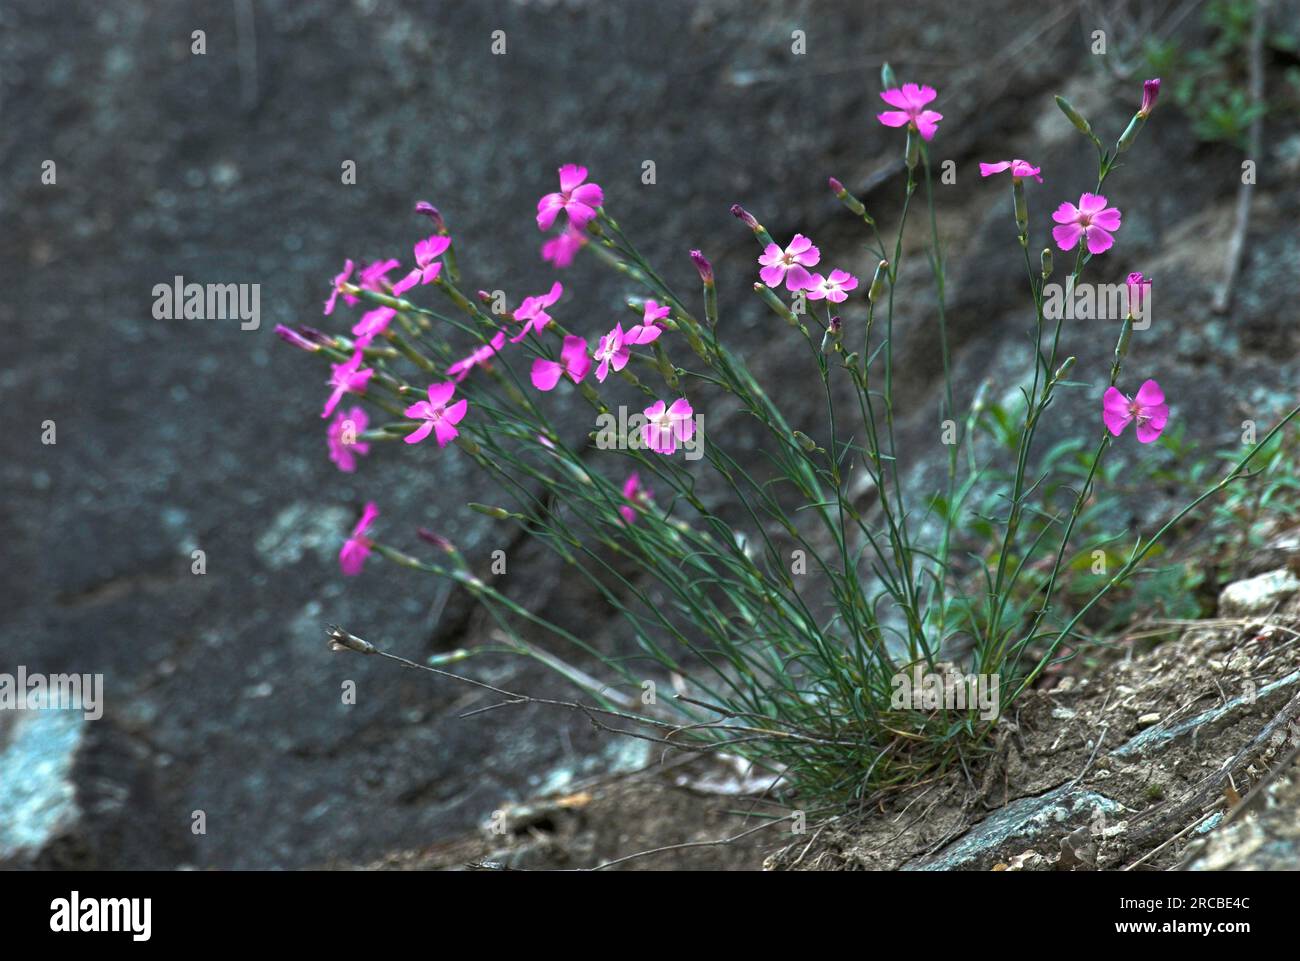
(667, 425)
(1090, 224)
(790, 266)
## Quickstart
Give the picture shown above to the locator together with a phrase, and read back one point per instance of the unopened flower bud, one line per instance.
(1064, 369)
(1138, 286)
(292, 337)
(1125, 334)
(804, 441)
(430, 211)
(1130, 133)
(437, 540)
(498, 513)
(878, 281)
(1150, 91)
(887, 79)
(1074, 116)
(850, 201)
(832, 335)
(1046, 259)
(1022, 206)
(745, 217)
(341, 640)
(703, 266)
(776, 303)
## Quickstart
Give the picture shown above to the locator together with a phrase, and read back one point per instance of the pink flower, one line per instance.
(789, 264)
(668, 425)
(910, 100)
(577, 199)
(834, 288)
(372, 324)
(615, 347)
(653, 313)
(355, 550)
(563, 247)
(1019, 169)
(1148, 408)
(533, 311)
(427, 265)
(611, 352)
(478, 358)
(635, 494)
(342, 438)
(1150, 91)
(573, 361)
(374, 276)
(339, 280)
(438, 418)
(348, 377)
(1138, 287)
(1092, 220)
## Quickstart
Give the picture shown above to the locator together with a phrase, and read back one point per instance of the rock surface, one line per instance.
(1257, 595)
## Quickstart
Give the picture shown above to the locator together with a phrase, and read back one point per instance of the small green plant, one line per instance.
(1210, 82)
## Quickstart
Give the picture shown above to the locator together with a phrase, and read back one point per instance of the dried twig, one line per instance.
(690, 844)
(341, 640)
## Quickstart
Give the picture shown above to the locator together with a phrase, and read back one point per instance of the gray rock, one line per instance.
(38, 797)
(1258, 595)
(1015, 827)
(1265, 837)
(1283, 550)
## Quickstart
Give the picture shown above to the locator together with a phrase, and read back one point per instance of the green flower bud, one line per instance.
(1125, 334)
(878, 281)
(1130, 133)
(1074, 116)
(1022, 205)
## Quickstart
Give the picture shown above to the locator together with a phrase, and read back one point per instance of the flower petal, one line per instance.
(1067, 235)
(441, 393)
(1114, 411)
(420, 433)
(1067, 213)
(571, 175)
(545, 373)
(1108, 219)
(1150, 394)
(1099, 241)
(928, 124)
(895, 98)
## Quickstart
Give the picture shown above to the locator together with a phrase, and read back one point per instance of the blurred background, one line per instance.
(225, 167)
